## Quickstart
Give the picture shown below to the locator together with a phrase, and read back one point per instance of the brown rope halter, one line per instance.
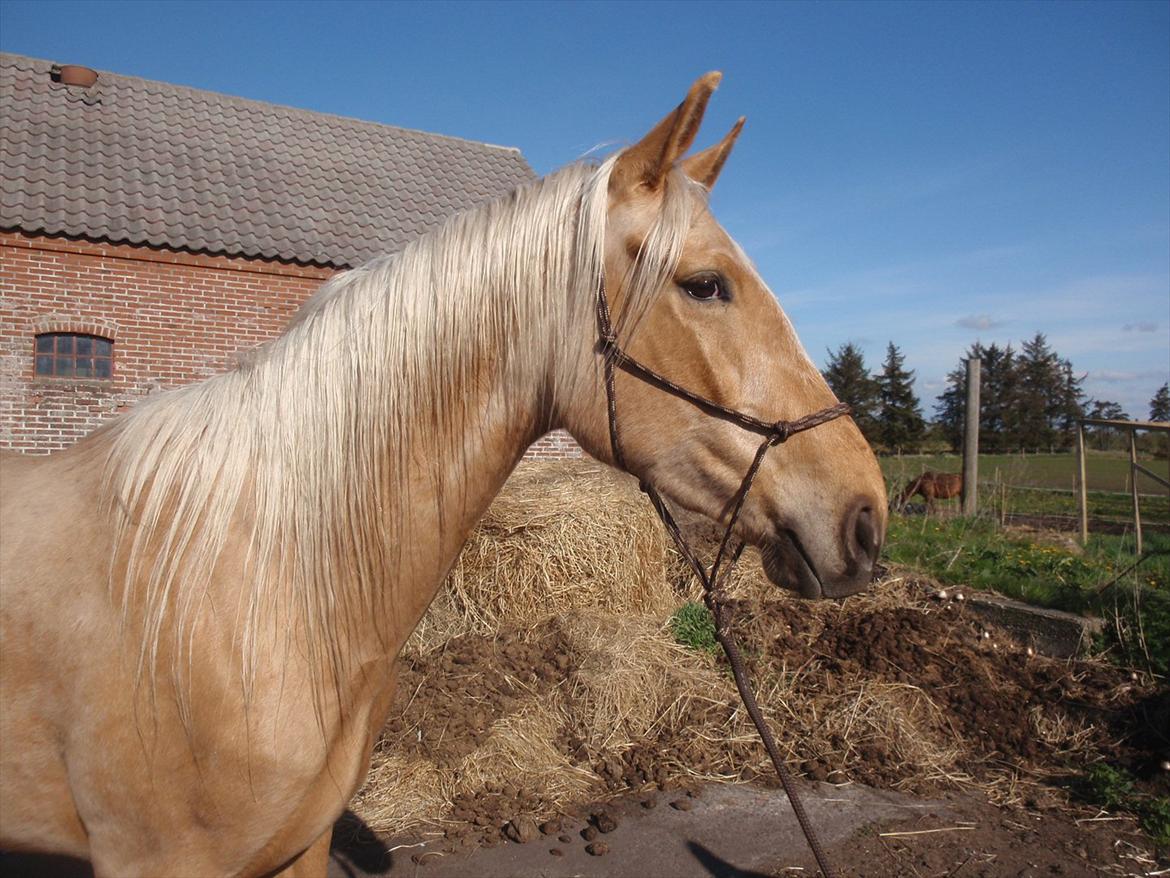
(774, 433)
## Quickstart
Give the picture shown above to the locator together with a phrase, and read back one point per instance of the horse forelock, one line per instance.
(303, 454)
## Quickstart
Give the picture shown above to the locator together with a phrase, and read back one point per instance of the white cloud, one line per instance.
(1111, 377)
(981, 322)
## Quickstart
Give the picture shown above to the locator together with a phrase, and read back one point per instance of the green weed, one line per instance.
(693, 627)
(1112, 788)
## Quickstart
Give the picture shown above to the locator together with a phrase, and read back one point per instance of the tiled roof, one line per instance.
(131, 160)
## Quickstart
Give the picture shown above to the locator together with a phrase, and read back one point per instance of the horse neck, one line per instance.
(345, 464)
(438, 426)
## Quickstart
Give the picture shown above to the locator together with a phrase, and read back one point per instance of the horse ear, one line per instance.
(704, 167)
(648, 161)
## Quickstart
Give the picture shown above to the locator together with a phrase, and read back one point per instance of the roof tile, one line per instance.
(131, 160)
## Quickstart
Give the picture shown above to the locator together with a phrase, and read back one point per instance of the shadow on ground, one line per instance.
(355, 851)
(716, 865)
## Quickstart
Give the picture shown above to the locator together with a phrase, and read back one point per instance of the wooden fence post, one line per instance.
(971, 440)
(1082, 495)
(1133, 474)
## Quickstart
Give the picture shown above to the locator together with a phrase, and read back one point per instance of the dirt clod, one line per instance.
(605, 821)
(522, 830)
(597, 849)
(682, 804)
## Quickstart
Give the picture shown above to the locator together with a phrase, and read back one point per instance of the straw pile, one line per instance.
(561, 536)
(545, 676)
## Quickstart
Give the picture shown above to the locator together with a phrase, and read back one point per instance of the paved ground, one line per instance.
(741, 832)
(729, 831)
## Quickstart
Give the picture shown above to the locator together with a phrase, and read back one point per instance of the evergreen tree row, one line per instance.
(885, 407)
(1030, 399)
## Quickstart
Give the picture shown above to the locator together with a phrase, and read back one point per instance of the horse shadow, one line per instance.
(355, 852)
(716, 866)
(14, 864)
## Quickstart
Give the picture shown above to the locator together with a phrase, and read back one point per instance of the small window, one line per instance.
(71, 355)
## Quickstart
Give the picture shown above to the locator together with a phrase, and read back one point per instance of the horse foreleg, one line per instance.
(313, 861)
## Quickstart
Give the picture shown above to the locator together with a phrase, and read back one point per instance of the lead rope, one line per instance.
(713, 596)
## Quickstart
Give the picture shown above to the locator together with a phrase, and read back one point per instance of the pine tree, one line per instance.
(952, 403)
(1160, 411)
(1027, 401)
(1071, 404)
(850, 380)
(1107, 410)
(900, 426)
(998, 385)
(1040, 396)
(1160, 404)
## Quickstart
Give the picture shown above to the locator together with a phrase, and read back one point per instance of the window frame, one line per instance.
(58, 352)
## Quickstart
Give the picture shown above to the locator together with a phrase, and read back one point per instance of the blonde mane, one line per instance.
(311, 441)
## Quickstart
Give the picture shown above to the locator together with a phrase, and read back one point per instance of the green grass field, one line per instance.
(1104, 470)
(1043, 484)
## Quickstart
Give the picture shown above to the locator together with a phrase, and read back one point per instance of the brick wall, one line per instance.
(173, 317)
(557, 445)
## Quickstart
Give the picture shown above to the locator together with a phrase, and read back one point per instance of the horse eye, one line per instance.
(704, 288)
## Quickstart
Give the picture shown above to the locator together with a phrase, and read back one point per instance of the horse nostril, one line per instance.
(865, 534)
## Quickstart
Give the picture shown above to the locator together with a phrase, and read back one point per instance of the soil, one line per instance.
(980, 840)
(738, 832)
(457, 693)
(1055, 522)
(1027, 724)
(988, 688)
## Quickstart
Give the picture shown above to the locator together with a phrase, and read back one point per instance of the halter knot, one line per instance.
(781, 430)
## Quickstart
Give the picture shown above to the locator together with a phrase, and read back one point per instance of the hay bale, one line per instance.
(562, 535)
(522, 752)
(401, 792)
(630, 671)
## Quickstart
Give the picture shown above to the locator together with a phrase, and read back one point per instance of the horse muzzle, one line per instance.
(848, 569)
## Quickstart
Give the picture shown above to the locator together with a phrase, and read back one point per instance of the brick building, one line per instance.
(149, 233)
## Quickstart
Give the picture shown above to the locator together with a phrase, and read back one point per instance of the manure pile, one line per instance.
(545, 679)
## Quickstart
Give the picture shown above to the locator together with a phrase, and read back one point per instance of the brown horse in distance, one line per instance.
(932, 486)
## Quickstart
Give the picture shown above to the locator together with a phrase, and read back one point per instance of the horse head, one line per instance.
(690, 305)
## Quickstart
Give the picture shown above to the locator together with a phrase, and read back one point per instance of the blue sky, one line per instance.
(930, 173)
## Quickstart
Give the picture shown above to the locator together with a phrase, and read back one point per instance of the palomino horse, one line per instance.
(932, 486)
(203, 601)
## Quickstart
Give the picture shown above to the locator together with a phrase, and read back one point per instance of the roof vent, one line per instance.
(73, 74)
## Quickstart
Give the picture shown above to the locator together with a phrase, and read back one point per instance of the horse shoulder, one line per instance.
(54, 617)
